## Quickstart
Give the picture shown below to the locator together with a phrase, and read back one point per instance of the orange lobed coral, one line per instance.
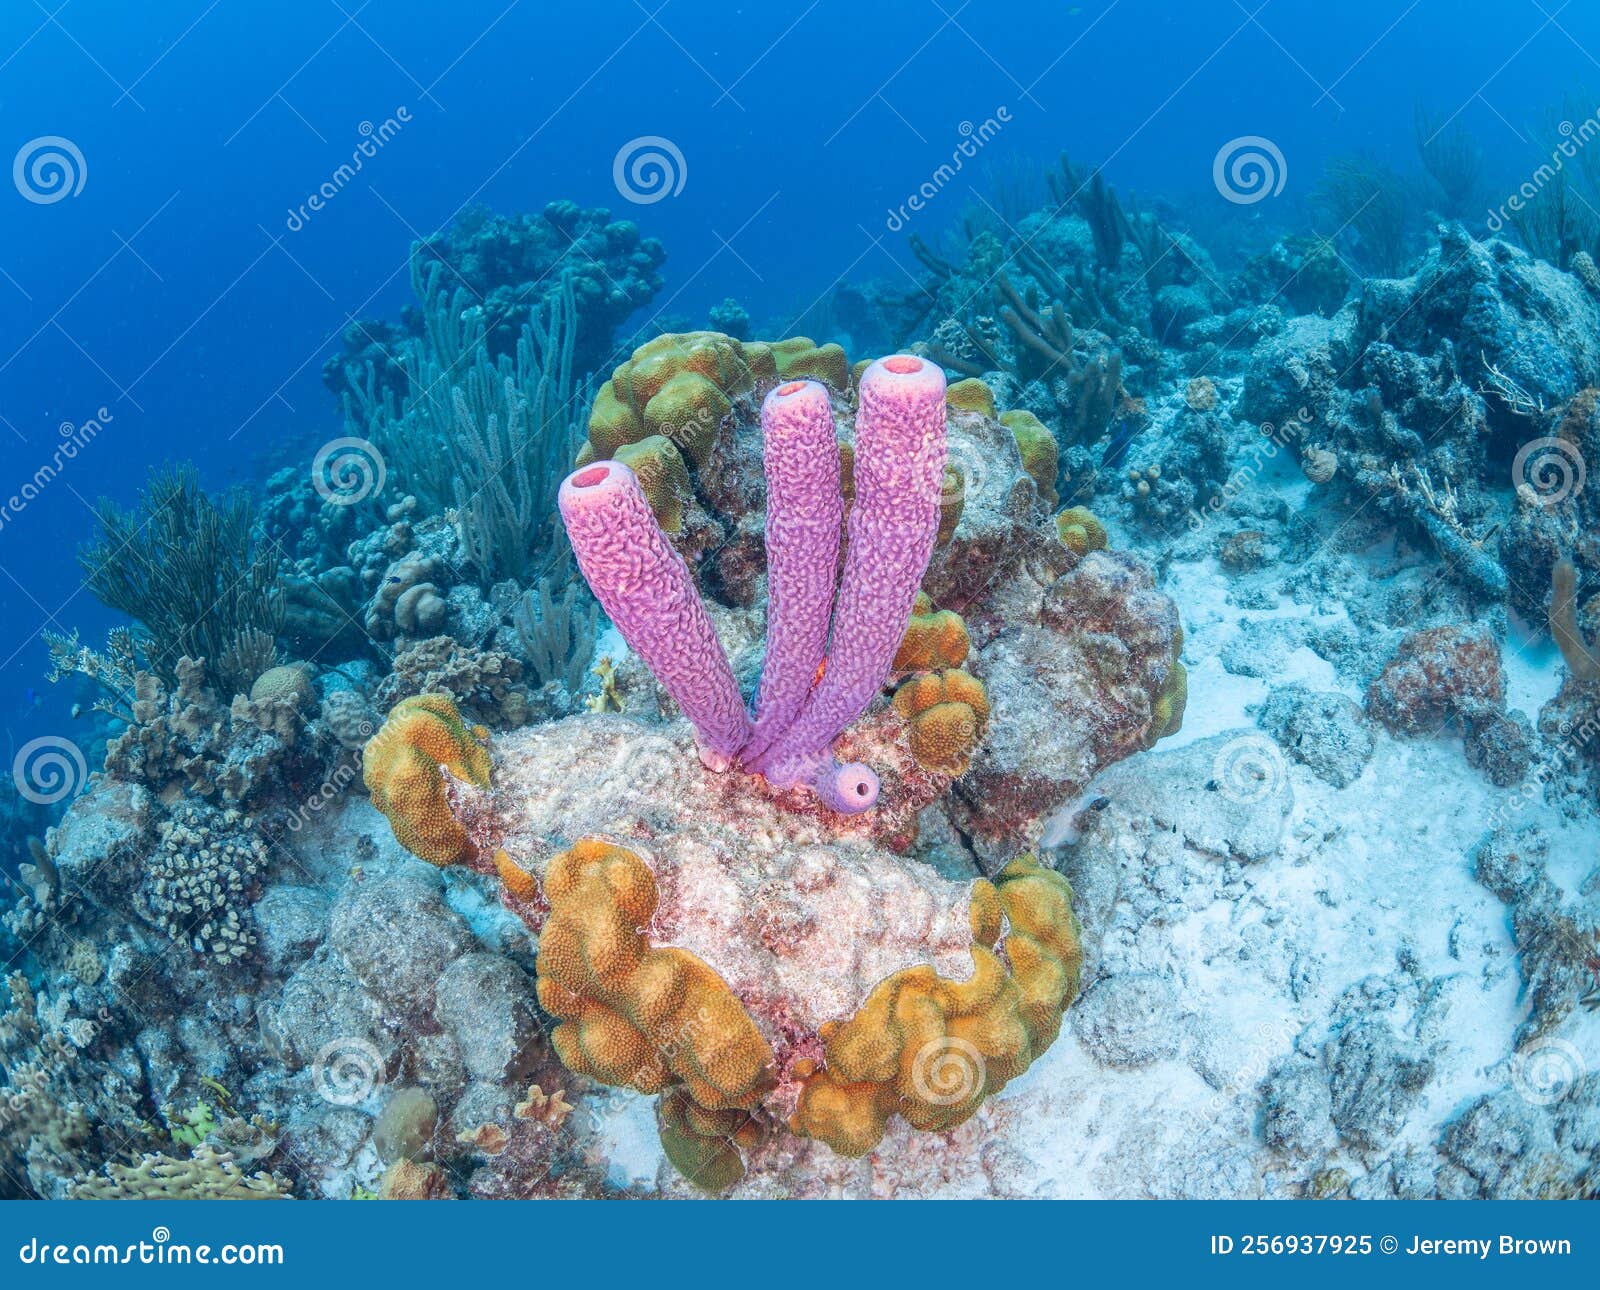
(402, 768)
(947, 711)
(934, 638)
(630, 1013)
(931, 1049)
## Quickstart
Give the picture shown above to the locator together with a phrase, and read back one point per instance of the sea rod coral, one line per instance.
(814, 684)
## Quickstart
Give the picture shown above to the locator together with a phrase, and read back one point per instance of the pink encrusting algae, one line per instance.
(646, 588)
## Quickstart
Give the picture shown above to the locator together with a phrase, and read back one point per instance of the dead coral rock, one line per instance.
(101, 846)
(1228, 797)
(717, 847)
(1244, 551)
(1068, 697)
(1439, 674)
(486, 1002)
(398, 935)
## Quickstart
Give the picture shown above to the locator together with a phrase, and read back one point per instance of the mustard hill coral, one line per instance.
(403, 766)
(631, 1013)
(971, 395)
(931, 1049)
(682, 385)
(947, 712)
(934, 638)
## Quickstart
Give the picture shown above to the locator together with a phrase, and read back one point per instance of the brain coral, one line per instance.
(402, 767)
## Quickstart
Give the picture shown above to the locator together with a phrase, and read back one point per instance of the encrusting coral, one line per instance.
(1041, 454)
(947, 712)
(934, 638)
(404, 771)
(632, 1013)
(932, 1049)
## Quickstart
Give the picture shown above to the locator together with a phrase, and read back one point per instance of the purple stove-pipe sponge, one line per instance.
(899, 472)
(647, 591)
(805, 512)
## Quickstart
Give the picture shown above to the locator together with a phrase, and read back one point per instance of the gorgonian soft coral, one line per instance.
(815, 682)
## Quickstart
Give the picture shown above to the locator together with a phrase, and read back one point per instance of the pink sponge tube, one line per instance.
(805, 511)
(899, 471)
(647, 591)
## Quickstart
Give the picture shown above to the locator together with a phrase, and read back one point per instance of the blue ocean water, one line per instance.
(176, 297)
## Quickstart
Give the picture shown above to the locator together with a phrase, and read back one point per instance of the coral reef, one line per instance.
(862, 778)
(931, 1049)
